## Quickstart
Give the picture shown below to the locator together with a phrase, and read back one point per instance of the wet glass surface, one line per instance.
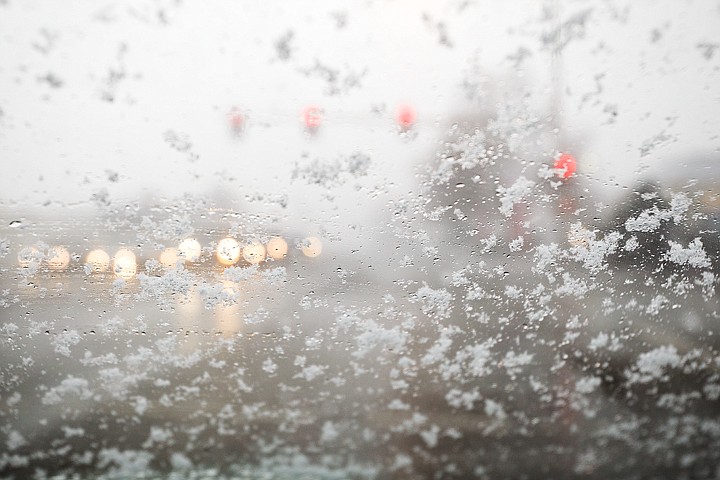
(374, 240)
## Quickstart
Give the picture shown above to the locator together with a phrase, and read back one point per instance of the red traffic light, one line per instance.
(312, 117)
(236, 120)
(565, 165)
(406, 116)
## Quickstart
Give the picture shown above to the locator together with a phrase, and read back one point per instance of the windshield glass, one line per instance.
(359, 240)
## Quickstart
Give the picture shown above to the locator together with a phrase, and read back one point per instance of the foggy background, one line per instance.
(91, 92)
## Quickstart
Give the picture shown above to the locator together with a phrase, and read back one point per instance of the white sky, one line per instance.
(185, 75)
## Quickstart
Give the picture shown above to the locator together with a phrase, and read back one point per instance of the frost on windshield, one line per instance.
(264, 259)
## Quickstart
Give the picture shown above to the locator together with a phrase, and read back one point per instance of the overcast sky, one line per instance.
(89, 89)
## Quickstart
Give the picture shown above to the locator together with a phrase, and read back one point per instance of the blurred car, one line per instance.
(674, 206)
